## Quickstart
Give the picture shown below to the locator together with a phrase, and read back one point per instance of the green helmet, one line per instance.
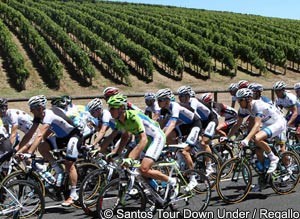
(117, 101)
(59, 102)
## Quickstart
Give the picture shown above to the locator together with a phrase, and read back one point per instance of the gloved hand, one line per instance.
(128, 162)
(24, 156)
(244, 143)
(223, 139)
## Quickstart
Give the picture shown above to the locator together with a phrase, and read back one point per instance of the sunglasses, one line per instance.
(161, 100)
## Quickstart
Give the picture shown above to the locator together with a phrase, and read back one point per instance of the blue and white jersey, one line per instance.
(18, 117)
(106, 119)
(57, 124)
(154, 109)
(288, 101)
(202, 111)
(266, 99)
(180, 114)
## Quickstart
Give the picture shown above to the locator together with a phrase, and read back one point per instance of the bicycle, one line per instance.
(132, 192)
(237, 185)
(21, 199)
(48, 187)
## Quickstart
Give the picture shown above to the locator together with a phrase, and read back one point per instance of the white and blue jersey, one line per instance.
(180, 114)
(58, 125)
(203, 111)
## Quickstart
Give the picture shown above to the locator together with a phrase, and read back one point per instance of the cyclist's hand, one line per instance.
(244, 143)
(127, 162)
(24, 156)
(223, 139)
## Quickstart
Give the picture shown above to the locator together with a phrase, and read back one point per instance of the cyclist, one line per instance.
(14, 120)
(152, 110)
(77, 115)
(268, 123)
(289, 102)
(208, 119)
(103, 116)
(65, 135)
(229, 114)
(150, 137)
(297, 91)
(233, 87)
(257, 90)
(189, 124)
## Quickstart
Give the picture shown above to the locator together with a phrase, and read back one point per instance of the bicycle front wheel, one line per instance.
(285, 178)
(207, 164)
(237, 184)
(115, 196)
(90, 189)
(21, 199)
(196, 199)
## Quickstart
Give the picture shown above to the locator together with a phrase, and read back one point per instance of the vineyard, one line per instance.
(121, 39)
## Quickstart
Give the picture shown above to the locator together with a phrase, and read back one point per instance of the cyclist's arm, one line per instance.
(43, 134)
(124, 140)
(170, 127)
(294, 112)
(254, 129)
(236, 126)
(101, 133)
(105, 143)
(13, 134)
(28, 135)
(137, 150)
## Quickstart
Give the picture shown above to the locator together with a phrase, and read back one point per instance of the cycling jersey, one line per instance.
(180, 114)
(106, 119)
(289, 100)
(203, 111)
(154, 109)
(273, 123)
(266, 99)
(18, 117)
(225, 111)
(58, 125)
(136, 123)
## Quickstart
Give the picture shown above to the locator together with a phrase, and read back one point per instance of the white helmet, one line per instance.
(244, 93)
(184, 90)
(297, 86)
(149, 96)
(192, 93)
(233, 87)
(164, 93)
(36, 101)
(94, 104)
(279, 85)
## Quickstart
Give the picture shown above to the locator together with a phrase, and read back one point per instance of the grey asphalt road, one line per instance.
(263, 205)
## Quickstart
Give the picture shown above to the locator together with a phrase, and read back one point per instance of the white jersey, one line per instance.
(268, 113)
(19, 118)
(155, 109)
(288, 101)
(180, 113)
(200, 108)
(106, 119)
(58, 125)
